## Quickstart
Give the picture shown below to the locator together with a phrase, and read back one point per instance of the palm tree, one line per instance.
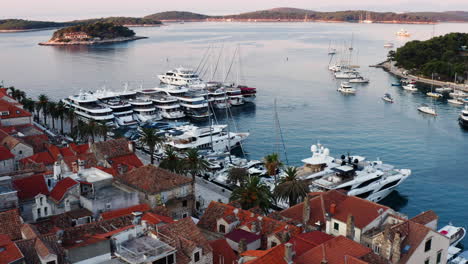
(171, 161)
(52, 111)
(92, 128)
(291, 188)
(61, 111)
(238, 175)
(37, 108)
(28, 104)
(152, 139)
(194, 164)
(12, 91)
(70, 114)
(43, 100)
(83, 129)
(272, 163)
(102, 130)
(252, 194)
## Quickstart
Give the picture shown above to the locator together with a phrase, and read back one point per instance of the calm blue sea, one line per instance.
(287, 62)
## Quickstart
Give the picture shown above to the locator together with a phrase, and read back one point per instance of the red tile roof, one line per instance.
(61, 188)
(425, 218)
(13, 110)
(364, 211)
(272, 256)
(11, 224)
(222, 252)
(31, 186)
(39, 158)
(306, 241)
(237, 235)
(125, 211)
(79, 149)
(155, 219)
(10, 252)
(413, 235)
(112, 148)
(130, 160)
(5, 154)
(54, 151)
(152, 180)
(335, 251)
(37, 142)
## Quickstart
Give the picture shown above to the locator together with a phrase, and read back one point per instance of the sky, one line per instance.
(62, 10)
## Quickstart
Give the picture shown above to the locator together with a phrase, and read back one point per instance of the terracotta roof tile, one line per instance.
(10, 142)
(62, 221)
(112, 148)
(29, 252)
(125, 211)
(37, 142)
(334, 251)
(222, 251)
(305, 241)
(10, 252)
(237, 235)
(13, 110)
(131, 161)
(61, 188)
(412, 234)
(425, 218)
(272, 256)
(31, 186)
(39, 158)
(5, 154)
(152, 180)
(11, 224)
(155, 219)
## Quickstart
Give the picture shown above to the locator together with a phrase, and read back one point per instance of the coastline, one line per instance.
(389, 67)
(92, 42)
(25, 30)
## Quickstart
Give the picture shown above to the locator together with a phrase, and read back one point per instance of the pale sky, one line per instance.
(62, 10)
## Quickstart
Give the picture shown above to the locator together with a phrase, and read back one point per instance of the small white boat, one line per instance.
(410, 87)
(359, 79)
(462, 258)
(458, 94)
(332, 51)
(444, 89)
(403, 33)
(388, 45)
(387, 98)
(454, 233)
(435, 95)
(346, 88)
(455, 102)
(424, 108)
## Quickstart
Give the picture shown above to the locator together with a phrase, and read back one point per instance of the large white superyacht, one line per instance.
(167, 105)
(88, 107)
(144, 110)
(181, 77)
(371, 180)
(123, 111)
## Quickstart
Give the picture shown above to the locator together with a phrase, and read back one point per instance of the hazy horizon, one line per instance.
(60, 10)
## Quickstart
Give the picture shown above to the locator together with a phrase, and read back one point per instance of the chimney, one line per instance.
(332, 208)
(81, 165)
(131, 146)
(57, 171)
(288, 253)
(121, 169)
(74, 167)
(306, 211)
(242, 246)
(350, 231)
(137, 217)
(396, 248)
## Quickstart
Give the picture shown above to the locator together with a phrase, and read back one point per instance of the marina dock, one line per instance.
(388, 66)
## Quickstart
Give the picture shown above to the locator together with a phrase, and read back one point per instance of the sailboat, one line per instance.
(424, 108)
(431, 93)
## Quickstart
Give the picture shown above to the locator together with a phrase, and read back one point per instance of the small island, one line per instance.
(91, 34)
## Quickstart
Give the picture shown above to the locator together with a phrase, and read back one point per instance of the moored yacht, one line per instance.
(168, 106)
(249, 93)
(359, 79)
(410, 87)
(387, 98)
(88, 108)
(424, 108)
(121, 109)
(348, 74)
(371, 180)
(194, 104)
(455, 234)
(463, 118)
(219, 98)
(346, 88)
(403, 33)
(235, 96)
(180, 77)
(206, 138)
(144, 110)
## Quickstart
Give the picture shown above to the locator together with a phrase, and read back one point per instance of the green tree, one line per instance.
(43, 101)
(252, 194)
(194, 163)
(83, 130)
(92, 127)
(272, 164)
(171, 161)
(52, 111)
(61, 111)
(102, 130)
(291, 188)
(70, 115)
(152, 139)
(237, 176)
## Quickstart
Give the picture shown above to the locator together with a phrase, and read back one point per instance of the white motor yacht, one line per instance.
(248, 93)
(219, 98)
(424, 108)
(348, 74)
(455, 234)
(388, 45)
(194, 104)
(403, 33)
(181, 77)
(371, 180)
(122, 110)
(387, 98)
(457, 94)
(435, 95)
(214, 138)
(168, 106)
(359, 79)
(463, 118)
(346, 88)
(88, 107)
(455, 102)
(144, 110)
(444, 89)
(235, 96)
(410, 87)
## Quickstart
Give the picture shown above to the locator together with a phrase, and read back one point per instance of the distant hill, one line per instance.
(120, 21)
(99, 30)
(21, 24)
(176, 15)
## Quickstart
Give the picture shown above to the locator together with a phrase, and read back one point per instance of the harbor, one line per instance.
(309, 108)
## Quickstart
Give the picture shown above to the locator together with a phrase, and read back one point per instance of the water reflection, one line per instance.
(395, 200)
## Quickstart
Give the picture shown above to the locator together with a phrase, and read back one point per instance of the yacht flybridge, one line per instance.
(123, 111)
(180, 77)
(206, 138)
(144, 110)
(371, 180)
(88, 107)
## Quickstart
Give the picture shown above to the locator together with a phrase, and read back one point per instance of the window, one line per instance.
(40, 200)
(20, 152)
(184, 203)
(439, 256)
(196, 256)
(427, 246)
(222, 229)
(38, 212)
(108, 206)
(377, 249)
(336, 226)
(45, 211)
(170, 259)
(427, 261)
(51, 262)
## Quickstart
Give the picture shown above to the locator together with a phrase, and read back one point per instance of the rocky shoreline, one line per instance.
(90, 42)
